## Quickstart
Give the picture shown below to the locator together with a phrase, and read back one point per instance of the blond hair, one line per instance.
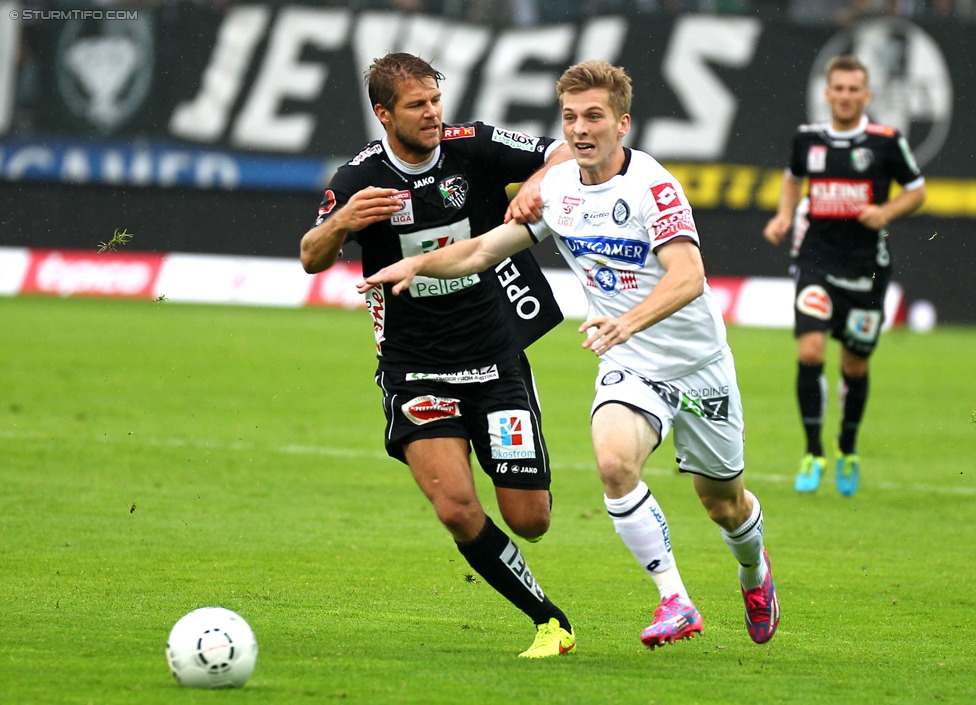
(598, 74)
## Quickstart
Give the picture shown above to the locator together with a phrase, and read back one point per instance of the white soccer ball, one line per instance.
(211, 647)
(921, 316)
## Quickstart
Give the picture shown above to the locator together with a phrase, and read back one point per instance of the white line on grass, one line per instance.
(293, 449)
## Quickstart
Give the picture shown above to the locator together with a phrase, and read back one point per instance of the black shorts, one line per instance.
(494, 408)
(852, 310)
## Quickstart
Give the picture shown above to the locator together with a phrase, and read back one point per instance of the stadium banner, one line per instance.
(213, 131)
(271, 95)
(268, 281)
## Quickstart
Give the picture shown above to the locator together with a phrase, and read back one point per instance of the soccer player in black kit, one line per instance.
(451, 363)
(842, 266)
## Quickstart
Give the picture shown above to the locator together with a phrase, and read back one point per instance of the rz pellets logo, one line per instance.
(104, 69)
(908, 76)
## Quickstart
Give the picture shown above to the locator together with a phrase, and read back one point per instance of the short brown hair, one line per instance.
(598, 74)
(846, 62)
(384, 76)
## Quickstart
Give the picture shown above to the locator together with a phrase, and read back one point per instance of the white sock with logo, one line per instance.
(746, 544)
(640, 523)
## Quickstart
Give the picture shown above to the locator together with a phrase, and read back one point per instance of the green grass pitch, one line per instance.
(157, 457)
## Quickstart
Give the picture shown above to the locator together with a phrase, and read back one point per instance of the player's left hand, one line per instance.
(400, 274)
(604, 332)
(872, 216)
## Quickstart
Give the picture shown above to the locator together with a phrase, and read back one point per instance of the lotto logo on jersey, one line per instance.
(454, 133)
(510, 434)
(839, 198)
(666, 196)
(426, 409)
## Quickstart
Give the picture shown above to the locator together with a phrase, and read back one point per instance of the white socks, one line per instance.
(640, 523)
(746, 544)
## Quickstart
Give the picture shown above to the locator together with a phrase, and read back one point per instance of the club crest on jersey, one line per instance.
(620, 212)
(511, 435)
(454, 191)
(665, 195)
(610, 281)
(861, 158)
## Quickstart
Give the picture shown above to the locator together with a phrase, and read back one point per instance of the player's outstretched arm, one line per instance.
(455, 260)
(789, 197)
(322, 244)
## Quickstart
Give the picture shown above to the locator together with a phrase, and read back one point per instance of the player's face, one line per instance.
(847, 94)
(414, 125)
(594, 134)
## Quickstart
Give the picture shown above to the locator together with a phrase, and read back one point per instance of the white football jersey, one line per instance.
(608, 234)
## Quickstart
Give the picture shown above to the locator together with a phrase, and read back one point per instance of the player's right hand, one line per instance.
(777, 227)
(371, 205)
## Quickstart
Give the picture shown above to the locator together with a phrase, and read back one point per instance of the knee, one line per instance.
(618, 477)
(529, 521)
(530, 527)
(723, 511)
(463, 518)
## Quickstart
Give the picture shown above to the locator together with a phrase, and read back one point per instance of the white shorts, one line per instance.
(704, 408)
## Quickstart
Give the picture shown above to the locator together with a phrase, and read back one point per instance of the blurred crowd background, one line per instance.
(527, 13)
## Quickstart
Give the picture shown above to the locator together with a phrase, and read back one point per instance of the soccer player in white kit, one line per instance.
(623, 224)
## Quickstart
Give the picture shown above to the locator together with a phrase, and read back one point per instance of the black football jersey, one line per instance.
(847, 171)
(454, 324)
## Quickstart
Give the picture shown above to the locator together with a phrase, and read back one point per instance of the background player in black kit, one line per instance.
(451, 365)
(842, 265)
